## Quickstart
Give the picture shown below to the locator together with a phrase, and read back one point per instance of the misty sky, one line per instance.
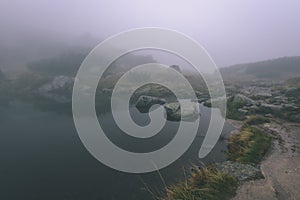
(233, 31)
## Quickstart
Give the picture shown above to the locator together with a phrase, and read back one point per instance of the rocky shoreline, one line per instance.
(280, 167)
(242, 172)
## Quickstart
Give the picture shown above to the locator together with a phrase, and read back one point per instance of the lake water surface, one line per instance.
(42, 157)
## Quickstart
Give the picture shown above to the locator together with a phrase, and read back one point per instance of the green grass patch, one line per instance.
(204, 183)
(249, 146)
(232, 109)
(256, 120)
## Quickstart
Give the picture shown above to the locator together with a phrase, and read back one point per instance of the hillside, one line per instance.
(68, 64)
(2, 77)
(280, 68)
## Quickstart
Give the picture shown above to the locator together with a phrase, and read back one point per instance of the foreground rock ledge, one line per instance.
(243, 172)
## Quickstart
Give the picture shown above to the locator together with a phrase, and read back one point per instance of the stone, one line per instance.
(58, 90)
(106, 90)
(295, 118)
(176, 67)
(2, 77)
(58, 82)
(242, 98)
(144, 103)
(243, 172)
(5, 89)
(200, 100)
(243, 111)
(190, 113)
(271, 107)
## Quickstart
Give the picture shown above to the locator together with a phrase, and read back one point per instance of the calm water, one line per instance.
(42, 157)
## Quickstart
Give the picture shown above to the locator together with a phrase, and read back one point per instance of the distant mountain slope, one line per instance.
(280, 68)
(68, 64)
(2, 77)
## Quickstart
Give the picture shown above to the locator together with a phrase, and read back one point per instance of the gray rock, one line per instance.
(200, 100)
(58, 82)
(269, 115)
(59, 89)
(6, 92)
(271, 107)
(176, 67)
(106, 91)
(144, 103)
(190, 113)
(264, 94)
(2, 77)
(242, 172)
(243, 111)
(242, 98)
(295, 118)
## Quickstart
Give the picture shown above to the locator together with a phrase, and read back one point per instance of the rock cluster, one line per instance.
(59, 89)
(144, 103)
(186, 110)
(242, 172)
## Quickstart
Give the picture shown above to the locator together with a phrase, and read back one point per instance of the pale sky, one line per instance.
(232, 31)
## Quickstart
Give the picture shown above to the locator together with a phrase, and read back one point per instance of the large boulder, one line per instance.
(189, 113)
(144, 103)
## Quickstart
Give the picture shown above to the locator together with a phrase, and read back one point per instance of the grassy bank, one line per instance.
(205, 183)
(247, 147)
(250, 144)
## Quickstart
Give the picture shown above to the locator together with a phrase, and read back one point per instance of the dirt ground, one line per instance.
(281, 166)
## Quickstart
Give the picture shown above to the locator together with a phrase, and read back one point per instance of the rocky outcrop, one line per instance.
(5, 89)
(58, 82)
(271, 107)
(242, 172)
(59, 89)
(2, 77)
(144, 103)
(239, 98)
(176, 67)
(173, 109)
(295, 118)
(189, 113)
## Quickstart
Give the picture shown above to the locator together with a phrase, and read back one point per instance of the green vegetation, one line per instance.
(232, 109)
(249, 146)
(256, 120)
(294, 81)
(293, 92)
(66, 64)
(29, 82)
(69, 63)
(289, 112)
(204, 183)
(270, 69)
(5, 96)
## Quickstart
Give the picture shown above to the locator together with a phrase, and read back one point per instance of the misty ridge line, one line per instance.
(23, 51)
(18, 57)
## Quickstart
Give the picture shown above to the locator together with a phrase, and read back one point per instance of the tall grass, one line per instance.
(204, 183)
(249, 146)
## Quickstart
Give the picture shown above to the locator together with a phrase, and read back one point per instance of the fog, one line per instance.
(232, 31)
(69, 130)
